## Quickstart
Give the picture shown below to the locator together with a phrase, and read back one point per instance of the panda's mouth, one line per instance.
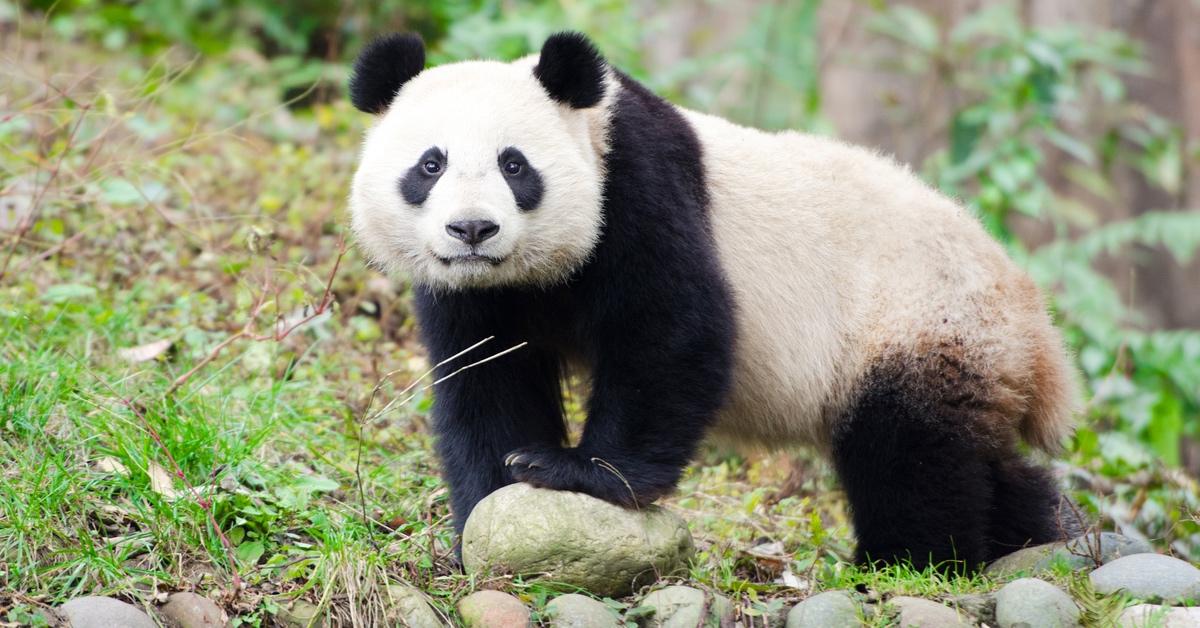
(470, 258)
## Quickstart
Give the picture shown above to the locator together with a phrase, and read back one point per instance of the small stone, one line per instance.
(1154, 616)
(679, 606)
(189, 610)
(1149, 577)
(410, 608)
(1033, 603)
(580, 611)
(981, 606)
(834, 609)
(574, 539)
(104, 612)
(915, 611)
(1078, 553)
(493, 609)
(301, 614)
(1111, 547)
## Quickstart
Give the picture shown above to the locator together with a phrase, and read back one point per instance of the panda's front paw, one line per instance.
(543, 466)
(565, 469)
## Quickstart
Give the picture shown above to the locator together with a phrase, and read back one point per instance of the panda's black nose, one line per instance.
(472, 231)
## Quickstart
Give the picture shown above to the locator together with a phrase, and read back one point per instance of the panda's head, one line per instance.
(480, 173)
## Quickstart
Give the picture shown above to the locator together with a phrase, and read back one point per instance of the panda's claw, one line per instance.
(513, 459)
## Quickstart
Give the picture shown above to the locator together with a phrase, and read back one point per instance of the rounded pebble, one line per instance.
(104, 612)
(493, 609)
(410, 608)
(190, 610)
(1078, 553)
(915, 611)
(1154, 616)
(679, 607)
(832, 609)
(1033, 603)
(573, 539)
(580, 611)
(302, 614)
(1149, 577)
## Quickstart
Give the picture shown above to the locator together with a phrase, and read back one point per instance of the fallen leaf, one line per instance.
(161, 482)
(145, 352)
(789, 579)
(108, 464)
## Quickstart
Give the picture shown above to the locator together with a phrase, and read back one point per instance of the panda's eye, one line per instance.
(512, 168)
(432, 167)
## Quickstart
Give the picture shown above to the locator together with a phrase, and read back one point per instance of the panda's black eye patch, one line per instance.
(419, 180)
(522, 178)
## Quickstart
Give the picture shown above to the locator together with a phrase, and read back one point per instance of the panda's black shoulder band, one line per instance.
(571, 70)
(383, 67)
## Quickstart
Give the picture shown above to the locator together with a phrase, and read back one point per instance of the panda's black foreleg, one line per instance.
(654, 393)
(485, 412)
(915, 473)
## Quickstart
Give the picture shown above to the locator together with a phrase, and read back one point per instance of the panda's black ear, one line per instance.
(383, 67)
(571, 70)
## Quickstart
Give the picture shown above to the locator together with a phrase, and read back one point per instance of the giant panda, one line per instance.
(772, 289)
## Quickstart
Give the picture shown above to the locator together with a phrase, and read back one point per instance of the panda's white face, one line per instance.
(474, 177)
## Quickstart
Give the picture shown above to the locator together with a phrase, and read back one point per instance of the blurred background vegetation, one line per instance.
(166, 163)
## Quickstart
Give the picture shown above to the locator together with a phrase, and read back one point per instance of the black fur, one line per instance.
(571, 70)
(383, 67)
(526, 185)
(927, 481)
(418, 182)
(650, 315)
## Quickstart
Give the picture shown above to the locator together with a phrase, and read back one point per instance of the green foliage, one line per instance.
(1095, 609)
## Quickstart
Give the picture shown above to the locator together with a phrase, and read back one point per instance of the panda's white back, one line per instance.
(840, 259)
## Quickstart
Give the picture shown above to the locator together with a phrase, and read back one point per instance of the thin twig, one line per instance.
(247, 330)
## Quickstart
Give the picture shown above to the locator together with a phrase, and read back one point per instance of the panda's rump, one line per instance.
(841, 261)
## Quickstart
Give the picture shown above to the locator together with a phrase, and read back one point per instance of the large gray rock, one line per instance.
(1078, 553)
(410, 608)
(574, 539)
(684, 607)
(580, 611)
(189, 610)
(104, 612)
(493, 609)
(915, 612)
(1154, 616)
(1149, 577)
(831, 609)
(1033, 603)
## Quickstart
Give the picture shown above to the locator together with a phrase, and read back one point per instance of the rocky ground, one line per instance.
(607, 552)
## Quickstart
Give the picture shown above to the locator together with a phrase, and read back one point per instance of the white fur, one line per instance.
(473, 111)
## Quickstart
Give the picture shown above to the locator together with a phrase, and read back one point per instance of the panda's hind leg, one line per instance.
(1027, 508)
(913, 461)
